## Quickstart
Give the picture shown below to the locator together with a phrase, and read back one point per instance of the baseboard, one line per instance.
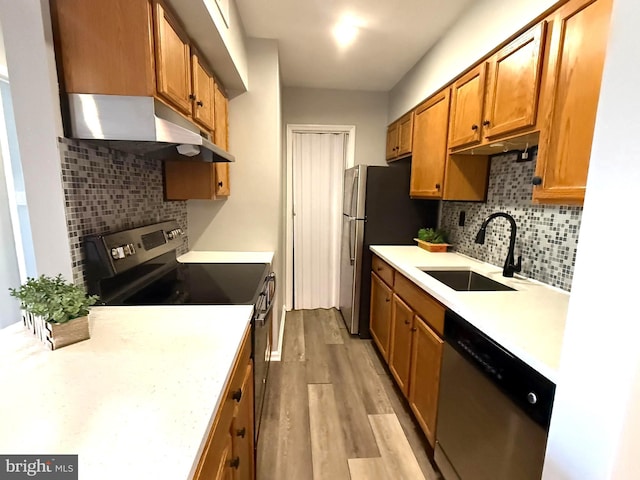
(276, 355)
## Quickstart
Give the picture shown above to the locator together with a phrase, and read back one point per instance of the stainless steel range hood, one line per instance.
(140, 125)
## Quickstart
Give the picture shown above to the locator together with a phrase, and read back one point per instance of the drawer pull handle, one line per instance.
(241, 433)
(237, 395)
(235, 463)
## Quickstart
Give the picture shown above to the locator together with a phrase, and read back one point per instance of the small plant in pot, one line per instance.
(433, 240)
(54, 310)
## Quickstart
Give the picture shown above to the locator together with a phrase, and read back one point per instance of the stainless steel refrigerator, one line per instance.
(377, 210)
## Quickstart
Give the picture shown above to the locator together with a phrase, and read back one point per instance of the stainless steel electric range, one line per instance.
(139, 267)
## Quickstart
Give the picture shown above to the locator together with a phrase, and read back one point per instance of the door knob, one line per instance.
(474, 127)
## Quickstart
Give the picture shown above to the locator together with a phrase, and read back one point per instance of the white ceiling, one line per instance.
(395, 35)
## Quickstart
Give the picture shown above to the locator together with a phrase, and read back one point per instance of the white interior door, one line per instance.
(318, 166)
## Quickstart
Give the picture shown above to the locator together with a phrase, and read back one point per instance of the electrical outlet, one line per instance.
(462, 218)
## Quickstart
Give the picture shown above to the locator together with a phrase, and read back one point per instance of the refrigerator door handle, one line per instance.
(353, 195)
(352, 244)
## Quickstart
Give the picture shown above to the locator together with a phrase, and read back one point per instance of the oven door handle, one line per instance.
(268, 293)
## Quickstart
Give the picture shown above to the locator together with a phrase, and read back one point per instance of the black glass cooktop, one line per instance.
(203, 284)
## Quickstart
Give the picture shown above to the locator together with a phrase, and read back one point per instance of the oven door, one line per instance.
(262, 322)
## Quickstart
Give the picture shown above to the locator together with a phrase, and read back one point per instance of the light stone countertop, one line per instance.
(134, 401)
(528, 322)
(195, 256)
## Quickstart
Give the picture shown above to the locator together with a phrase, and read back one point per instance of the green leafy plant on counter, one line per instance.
(53, 298)
(432, 236)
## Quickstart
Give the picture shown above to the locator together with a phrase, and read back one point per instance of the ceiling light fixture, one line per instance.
(346, 30)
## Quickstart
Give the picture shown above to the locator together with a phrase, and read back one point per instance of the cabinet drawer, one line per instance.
(383, 270)
(424, 305)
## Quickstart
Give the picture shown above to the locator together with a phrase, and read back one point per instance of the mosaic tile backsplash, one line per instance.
(547, 235)
(106, 190)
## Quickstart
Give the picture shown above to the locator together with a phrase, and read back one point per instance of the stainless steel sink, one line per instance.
(466, 281)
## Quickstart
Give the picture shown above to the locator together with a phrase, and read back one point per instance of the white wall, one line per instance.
(251, 218)
(366, 110)
(595, 428)
(34, 90)
(481, 28)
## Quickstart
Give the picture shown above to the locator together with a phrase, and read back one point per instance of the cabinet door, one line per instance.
(400, 350)
(173, 69)
(430, 126)
(225, 469)
(466, 109)
(185, 180)
(380, 316)
(513, 85)
(204, 93)
(405, 134)
(242, 430)
(392, 141)
(426, 358)
(578, 40)
(222, 186)
(221, 133)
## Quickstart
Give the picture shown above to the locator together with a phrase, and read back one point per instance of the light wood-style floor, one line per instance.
(332, 411)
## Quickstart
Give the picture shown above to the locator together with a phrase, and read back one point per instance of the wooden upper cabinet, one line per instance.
(467, 108)
(400, 137)
(426, 359)
(429, 158)
(405, 134)
(173, 60)
(221, 133)
(392, 141)
(221, 139)
(513, 85)
(203, 93)
(578, 34)
(104, 47)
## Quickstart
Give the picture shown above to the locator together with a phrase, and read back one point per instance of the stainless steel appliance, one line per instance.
(377, 210)
(139, 267)
(493, 410)
(140, 125)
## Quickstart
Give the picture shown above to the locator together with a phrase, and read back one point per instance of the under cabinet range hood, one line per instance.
(139, 125)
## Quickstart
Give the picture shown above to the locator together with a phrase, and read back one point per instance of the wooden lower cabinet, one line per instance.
(415, 343)
(400, 350)
(242, 430)
(424, 381)
(228, 453)
(380, 316)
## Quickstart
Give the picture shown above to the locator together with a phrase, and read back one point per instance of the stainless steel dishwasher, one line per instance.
(493, 410)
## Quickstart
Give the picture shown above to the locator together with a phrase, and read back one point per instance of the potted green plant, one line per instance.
(54, 310)
(433, 240)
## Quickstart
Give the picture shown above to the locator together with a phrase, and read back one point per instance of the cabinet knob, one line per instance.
(241, 433)
(237, 395)
(220, 184)
(387, 299)
(199, 103)
(414, 329)
(474, 127)
(486, 123)
(235, 463)
(192, 96)
(437, 186)
(536, 181)
(407, 322)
